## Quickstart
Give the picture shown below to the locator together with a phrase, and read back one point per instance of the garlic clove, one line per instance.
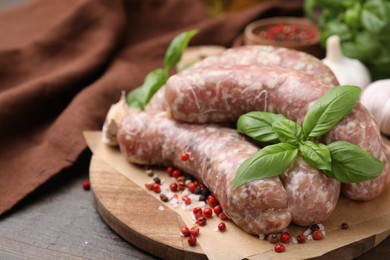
(113, 120)
(347, 71)
(376, 98)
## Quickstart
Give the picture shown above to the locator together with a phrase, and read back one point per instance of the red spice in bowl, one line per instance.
(290, 32)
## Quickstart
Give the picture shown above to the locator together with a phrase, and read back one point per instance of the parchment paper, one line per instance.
(365, 219)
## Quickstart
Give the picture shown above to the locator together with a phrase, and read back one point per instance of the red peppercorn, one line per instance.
(317, 235)
(285, 237)
(170, 170)
(344, 225)
(173, 186)
(186, 200)
(185, 231)
(211, 200)
(192, 187)
(208, 212)
(197, 212)
(217, 210)
(221, 226)
(194, 230)
(86, 185)
(301, 239)
(176, 173)
(156, 188)
(223, 216)
(184, 156)
(279, 248)
(201, 221)
(192, 240)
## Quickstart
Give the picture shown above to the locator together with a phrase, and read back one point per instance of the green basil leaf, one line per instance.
(268, 162)
(316, 154)
(288, 131)
(139, 97)
(176, 48)
(324, 114)
(258, 126)
(352, 164)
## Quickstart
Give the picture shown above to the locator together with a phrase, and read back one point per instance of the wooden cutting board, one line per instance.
(130, 211)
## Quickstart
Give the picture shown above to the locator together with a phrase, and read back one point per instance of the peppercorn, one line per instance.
(208, 212)
(191, 187)
(217, 210)
(344, 225)
(273, 238)
(197, 211)
(170, 170)
(314, 227)
(149, 185)
(173, 186)
(186, 200)
(184, 156)
(222, 226)
(192, 240)
(285, 237)
(211, 200)
(156, 188)
(163, 197)
(157, 180)
(301, 239)
(202, 198)
(201, 221)
(279, 248)
(86, 185)
(176, 173)
(317, 235)
(185, 231)
(149, 172)
(194, 230)
(223, 216)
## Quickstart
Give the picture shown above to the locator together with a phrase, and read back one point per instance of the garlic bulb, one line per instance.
(347, 71)
(113, 119)
(376, 98)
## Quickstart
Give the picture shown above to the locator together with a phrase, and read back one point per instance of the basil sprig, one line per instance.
(340, 160)
(139, 97)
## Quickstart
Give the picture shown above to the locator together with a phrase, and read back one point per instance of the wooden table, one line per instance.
(59, 221)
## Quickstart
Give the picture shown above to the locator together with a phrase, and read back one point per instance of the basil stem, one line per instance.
(328, 110)
(270, 161)
(258, 126)
(139, 97)
(352, 164)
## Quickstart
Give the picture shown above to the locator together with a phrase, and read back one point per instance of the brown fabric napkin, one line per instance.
(63, 63)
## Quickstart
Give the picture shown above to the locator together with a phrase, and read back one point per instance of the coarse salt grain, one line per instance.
(307, 232)
(309, 237)
(194, 197)
(202, 204)
(261, 236)
(161, 208)
(294, 240)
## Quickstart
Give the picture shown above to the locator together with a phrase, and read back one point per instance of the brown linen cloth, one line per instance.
(63, 63)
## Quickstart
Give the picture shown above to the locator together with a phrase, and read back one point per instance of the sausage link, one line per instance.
(261, 55)
(222, 94)
(312, 196)
(259, 207)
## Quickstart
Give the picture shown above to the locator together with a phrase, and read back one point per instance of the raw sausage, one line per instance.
(259, 207)
(270, 55)
(311, 195)
(222, 94)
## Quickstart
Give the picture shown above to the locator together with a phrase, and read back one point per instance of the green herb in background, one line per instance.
(363, 27)
(139, 97)
(340, 160)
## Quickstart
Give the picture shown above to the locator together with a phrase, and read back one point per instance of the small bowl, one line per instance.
(290, 32)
